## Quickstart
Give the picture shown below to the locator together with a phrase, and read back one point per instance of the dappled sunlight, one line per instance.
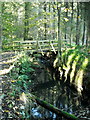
(24, 98)
(68, 64)
(80, 74)
(79, 80)
(70, 58)
(73, 68)
(8, 62)
(85, 63)
(55, 64)
(5, 71)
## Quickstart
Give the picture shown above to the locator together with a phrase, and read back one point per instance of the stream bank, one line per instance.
(56, 92)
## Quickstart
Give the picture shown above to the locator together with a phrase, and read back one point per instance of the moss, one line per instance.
(75, 63)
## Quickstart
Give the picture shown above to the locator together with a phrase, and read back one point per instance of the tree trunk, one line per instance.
(26, 22)
(86, 39)
(77, 26)
(88, 23)
(0, 27)
(87, 17)
(71, 24)
(45, 25)
(83, 37)
(54, 34)
(39, 16)
(59, 35)
(83, 12)
(66, 16)
(1, 44)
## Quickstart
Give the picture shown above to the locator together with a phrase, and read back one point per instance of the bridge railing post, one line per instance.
(49, 44)
(37, 45)
(40, 48)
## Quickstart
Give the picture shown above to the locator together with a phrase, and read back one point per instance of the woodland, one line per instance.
(45, 60)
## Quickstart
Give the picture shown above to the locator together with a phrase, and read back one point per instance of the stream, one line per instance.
(50, 89)
(47, 86)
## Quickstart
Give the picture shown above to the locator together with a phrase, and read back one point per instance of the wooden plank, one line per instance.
(55, 43)
(53, 48)
(33, 41)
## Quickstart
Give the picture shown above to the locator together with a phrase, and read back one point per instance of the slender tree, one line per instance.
(45, 25)
(39, 17)
(26, 21)
(77, 25)
(54, 28)
(59, 33)
(83, 12)
(71, 36)
(0, 26)
(66, 16)
(87, 6)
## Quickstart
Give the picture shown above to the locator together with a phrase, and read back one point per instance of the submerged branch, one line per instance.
(52, 108)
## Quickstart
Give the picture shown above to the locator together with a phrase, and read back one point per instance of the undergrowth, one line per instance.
(22, 78)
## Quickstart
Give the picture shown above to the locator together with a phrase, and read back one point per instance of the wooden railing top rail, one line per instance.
(32, 41)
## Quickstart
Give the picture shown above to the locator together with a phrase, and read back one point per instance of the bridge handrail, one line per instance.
(34, 45)
(32, 41)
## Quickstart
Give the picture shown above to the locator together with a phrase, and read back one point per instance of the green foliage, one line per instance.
(38, 21)
(9, 20)
(75, 63)
(23, 72)
(74, 52)
(22, 78)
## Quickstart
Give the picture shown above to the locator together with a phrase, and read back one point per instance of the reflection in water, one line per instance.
(55, 93)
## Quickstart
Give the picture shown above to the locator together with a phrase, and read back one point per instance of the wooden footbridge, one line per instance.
(33, 45)
(30, 45)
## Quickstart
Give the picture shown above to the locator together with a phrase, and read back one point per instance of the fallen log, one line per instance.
(52, 108)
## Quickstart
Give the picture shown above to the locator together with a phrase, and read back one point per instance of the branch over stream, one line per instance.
(52, 108)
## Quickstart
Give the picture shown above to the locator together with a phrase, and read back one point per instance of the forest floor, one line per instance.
(7, 102)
